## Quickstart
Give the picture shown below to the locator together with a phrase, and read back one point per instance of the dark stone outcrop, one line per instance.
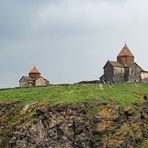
(70, 126)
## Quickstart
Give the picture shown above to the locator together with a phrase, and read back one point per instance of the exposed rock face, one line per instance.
(69, 126)
(125, 129)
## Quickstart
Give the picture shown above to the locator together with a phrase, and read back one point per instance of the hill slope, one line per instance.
(70, 116)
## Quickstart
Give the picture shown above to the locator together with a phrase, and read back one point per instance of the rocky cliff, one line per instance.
(90, 125)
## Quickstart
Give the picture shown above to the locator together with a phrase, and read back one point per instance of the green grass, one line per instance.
(124, 94)
(144, 144)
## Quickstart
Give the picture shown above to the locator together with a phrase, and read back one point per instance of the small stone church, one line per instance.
(34, 78)
(125, 69)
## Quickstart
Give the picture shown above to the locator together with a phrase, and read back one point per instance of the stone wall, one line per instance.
(40, 82)
(135, 73)
(144, 76)
(113, 74)
(23, 82)
(118, 74)
(125, 60)
(108, 73)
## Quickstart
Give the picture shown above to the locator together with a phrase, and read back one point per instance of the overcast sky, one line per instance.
(69, 40)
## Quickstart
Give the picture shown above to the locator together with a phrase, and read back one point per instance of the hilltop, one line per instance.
(79, 115)
(124, 94)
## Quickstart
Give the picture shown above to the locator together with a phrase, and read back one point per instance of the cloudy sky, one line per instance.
(69, 40)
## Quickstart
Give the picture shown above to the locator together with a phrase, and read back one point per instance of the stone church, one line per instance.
(125, 69)
(34, 78)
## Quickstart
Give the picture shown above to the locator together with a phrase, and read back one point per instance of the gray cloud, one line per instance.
(69, 40)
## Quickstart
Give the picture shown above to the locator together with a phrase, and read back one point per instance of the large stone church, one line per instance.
(125, 69)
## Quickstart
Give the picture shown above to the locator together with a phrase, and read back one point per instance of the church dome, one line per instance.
(125, 57)
(125, 52)
(34, 73)
(34, 70)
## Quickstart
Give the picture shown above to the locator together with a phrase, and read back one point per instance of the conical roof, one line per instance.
(125, 52)
(34, 71)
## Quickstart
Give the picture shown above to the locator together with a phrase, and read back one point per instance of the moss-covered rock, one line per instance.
(42, 125)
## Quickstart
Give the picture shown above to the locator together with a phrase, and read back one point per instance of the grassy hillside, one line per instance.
(122, 93)
(37, 114)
